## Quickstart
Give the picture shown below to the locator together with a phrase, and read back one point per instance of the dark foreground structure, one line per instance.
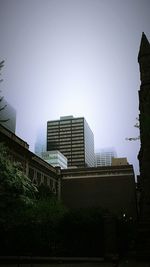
(111, 187)
(143, 249)
(101, 203)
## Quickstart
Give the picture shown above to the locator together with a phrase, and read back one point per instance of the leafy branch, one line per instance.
(1, 97)
(134, 138)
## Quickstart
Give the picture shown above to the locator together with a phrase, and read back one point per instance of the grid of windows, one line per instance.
(68, 136)
(104, 157)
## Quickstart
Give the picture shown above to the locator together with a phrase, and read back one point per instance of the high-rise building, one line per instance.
(73, 138)
(104, 157)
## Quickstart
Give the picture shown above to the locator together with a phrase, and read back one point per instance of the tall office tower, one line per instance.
(104, 157)
(73, 138)
(7, 116)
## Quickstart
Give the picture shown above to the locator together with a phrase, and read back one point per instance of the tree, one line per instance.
(136, 126)
(28, 219)
(1, 97)
(81, 233)
(1, 66)
(17, 195)
(15, 187)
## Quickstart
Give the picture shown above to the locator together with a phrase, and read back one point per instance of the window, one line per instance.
(77, 137)
(77, 133)
(78, 142)
(52, 123)
(77, 120)
(51, 183)
(74, 128)
(76, 157)
(31, 173)
(38, 177)
(45, 180)
(77, 145)
(80, 149)
(65, 122)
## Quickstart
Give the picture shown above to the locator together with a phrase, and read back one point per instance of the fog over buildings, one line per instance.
(75, 57)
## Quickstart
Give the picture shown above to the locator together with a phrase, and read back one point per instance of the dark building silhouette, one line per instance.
(144, 154)
(73, 138)
(111, 188)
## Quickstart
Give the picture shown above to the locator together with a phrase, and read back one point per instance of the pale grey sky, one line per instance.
(75, 57)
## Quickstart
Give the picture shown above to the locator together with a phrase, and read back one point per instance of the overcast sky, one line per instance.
(75, 57)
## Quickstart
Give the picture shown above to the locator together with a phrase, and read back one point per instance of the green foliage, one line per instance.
(1, 66)
(134, 138)
(29, 218)
(81, 233)
(36, 230)
(14, 183)
(44, 192)
(2, 107)
(34, 222)
(16, 190)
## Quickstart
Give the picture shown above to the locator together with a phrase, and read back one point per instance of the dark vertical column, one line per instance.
(109, 237)
(144, 106)
(143, 247)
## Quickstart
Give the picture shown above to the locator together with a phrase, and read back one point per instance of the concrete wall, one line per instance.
(115, 193)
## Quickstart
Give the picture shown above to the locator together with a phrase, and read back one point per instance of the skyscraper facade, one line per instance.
(104, 157)
(73, 138)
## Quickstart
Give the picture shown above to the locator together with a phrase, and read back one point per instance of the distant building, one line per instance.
(40, 142)
(104, 157)
(119, 161)
(8, 115)
(73, 138)
(55, 158)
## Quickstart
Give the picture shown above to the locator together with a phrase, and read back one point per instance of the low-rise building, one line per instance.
(39, 171)
(119, 161)
(111, 188)
(55, 158)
